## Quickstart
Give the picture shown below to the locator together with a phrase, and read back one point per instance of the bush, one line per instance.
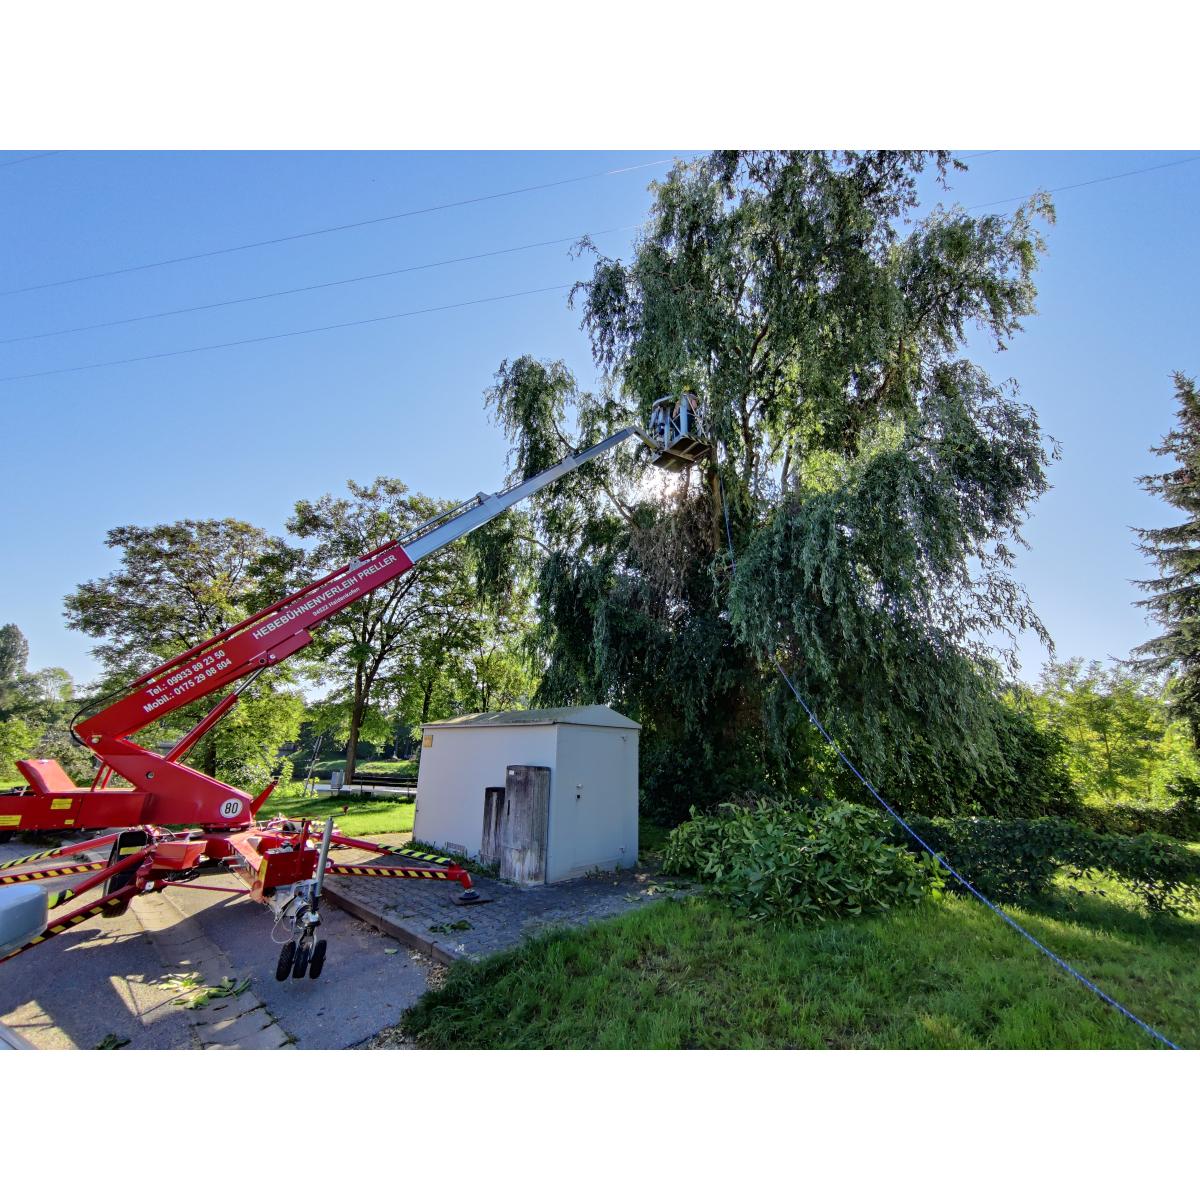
(774, 862)
(1016, 860)
(1179, 819)
(1007, 860)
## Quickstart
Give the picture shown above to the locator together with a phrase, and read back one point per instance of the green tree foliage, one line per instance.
(16, 741)
(35, 710)
(14, 657)
(177, 585)
(876, 479)
(248, 740)
(1174, 596)
(369, 648)
(1032, 776)
(1116, 728)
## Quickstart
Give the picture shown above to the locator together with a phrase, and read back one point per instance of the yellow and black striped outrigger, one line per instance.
(68, 922)
(51, 872)
(395, 872)
(67, 851)
(433, 866)
(102, 873)
(133, 865)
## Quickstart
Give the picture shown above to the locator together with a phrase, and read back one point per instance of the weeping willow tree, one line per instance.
(871, 479)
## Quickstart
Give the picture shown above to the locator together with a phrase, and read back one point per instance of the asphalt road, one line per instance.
(105, 977)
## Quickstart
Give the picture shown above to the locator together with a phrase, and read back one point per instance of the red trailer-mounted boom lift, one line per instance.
(279, 862)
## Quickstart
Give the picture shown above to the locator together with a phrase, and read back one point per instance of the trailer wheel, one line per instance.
(300, 963)
(317, 962)
(284, 966)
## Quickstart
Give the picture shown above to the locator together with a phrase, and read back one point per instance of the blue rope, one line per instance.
(912, 833)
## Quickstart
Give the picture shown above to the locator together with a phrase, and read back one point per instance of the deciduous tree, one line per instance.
(872, 478)
(177, 585)
(386, 630)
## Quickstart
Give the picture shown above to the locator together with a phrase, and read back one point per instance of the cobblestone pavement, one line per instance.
(423, 913)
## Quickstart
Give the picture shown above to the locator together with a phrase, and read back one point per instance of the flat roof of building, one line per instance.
(585, 714)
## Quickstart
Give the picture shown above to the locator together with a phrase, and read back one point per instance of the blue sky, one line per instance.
(246, 431)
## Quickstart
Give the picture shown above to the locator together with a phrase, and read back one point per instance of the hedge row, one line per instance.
(1016, 860)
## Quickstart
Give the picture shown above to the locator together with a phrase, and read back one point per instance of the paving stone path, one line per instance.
(423, 914)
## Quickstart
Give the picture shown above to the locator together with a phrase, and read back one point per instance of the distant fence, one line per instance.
(367, 777)
(367, 781)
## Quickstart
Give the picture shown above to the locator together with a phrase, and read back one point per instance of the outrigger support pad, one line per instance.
(470, 896)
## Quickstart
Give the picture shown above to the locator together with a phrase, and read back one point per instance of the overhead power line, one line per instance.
(467, 303)
(311, 233)
(12, 162)
(311, 287)
(274, 337)
(1177, 162)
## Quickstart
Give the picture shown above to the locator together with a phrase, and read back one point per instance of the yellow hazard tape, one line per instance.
(389, 872)
(53, 872)
(20, 862)
(417, 854)
(60, 928)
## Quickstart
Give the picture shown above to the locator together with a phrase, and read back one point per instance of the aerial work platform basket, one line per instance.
(675, 427)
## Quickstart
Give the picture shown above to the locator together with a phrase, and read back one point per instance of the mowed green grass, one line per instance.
(364, 816)
(946, 975)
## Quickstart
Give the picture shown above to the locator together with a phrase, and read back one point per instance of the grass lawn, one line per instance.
(945, 975)
(363, 818)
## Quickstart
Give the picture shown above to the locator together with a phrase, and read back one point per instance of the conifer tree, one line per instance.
(1173, 597)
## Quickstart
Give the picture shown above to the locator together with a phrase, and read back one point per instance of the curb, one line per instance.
(393, 929)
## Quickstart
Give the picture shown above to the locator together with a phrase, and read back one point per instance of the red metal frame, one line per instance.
(262, 857)
(165, 791)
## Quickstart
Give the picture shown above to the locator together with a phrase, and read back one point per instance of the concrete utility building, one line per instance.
(572, 811)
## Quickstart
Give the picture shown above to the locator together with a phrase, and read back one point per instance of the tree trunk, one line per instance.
(356, 716)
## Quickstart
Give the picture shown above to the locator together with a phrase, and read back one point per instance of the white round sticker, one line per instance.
(231, 808)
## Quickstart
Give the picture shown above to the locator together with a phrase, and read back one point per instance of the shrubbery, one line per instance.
(1016, 860)
(775, 862)
(1179, 819)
